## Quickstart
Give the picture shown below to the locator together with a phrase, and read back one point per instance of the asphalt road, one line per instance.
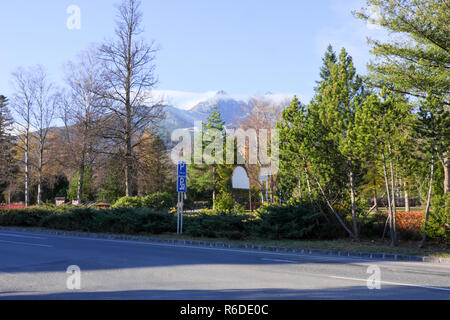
(34, 265)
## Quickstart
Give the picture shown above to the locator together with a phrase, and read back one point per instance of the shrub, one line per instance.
(159, 222)
(22, 218)
(127, 202)
(373, 225)
(224, 202)
(159, 201)
(119, 220)
(238, 209)
(409, 224)
(207, 212)
(222, 225)
(80, 219)
(296, 221)
(438, 226)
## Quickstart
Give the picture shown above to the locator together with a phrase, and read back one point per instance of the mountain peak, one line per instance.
(221, 93)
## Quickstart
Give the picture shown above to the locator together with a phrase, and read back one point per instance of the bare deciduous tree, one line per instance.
(264, 115)
(127, 78)
(22, 103)
(42, 116)
(81, 114)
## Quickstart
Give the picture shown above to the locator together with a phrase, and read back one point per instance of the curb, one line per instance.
(227, 245)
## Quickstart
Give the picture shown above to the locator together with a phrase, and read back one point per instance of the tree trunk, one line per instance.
(375, 196)
(391, 227)
(39, 196)
(334, 211)
(352, 200)
(406, 197)
(300, 187)
(27, 171)
(214, 188)
(80, 182)
(446, 165)
(128, 151)
(128, 156)
(427, 210)
(308, 183)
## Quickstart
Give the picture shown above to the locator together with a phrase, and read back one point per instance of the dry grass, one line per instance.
(404, 247)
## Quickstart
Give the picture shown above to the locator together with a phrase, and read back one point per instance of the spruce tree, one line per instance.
(203, 178)
(6, 143)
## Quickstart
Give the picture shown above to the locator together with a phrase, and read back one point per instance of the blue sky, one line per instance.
(240, 46)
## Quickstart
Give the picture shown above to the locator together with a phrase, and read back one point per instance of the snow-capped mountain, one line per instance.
(231, 110)
(184, 108)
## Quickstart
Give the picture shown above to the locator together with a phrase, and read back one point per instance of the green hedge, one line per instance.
(159, 201)
(296, 221)
(156, 201)
(222, 225)
(119, 220)
(291, 221)
(127, 202)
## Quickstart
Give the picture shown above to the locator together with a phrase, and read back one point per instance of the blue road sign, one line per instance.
(181, 184)
(181, 169)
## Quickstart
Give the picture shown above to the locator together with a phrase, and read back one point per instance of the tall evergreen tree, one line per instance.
(293, 130)
(6, 144)
(381, 132)
(328, 61)
(335, 107)
(155, 167)
(418, 65)
(204, 177)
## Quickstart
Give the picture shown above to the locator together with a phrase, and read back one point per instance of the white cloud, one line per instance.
(182, 99)
(349, 32)
(186, 100)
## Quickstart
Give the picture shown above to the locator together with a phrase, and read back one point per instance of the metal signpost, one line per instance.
(181, 189)
(265, 178)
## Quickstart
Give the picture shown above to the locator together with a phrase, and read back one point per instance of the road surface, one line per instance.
(33, 266)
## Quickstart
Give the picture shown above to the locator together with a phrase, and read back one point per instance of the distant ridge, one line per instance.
(196, 107)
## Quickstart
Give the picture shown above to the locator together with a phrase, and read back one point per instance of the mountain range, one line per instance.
(233, 109)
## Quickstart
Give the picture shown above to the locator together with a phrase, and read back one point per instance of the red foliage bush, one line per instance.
(12, 206)
(410, 222)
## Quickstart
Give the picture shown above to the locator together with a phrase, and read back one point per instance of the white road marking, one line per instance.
(309, 256)
(393, 283)
(279, 260)
(345, 259)
(253, 252)
(26, 243)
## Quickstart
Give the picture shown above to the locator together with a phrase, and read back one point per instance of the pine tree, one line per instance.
(293, 132)
(328, 61)
(6, 121)
(338, 98)
(204, 177)
(317, 141)
(6, 144)
(381, 132)
(87, 190)
(419, 65)
(155, 166)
